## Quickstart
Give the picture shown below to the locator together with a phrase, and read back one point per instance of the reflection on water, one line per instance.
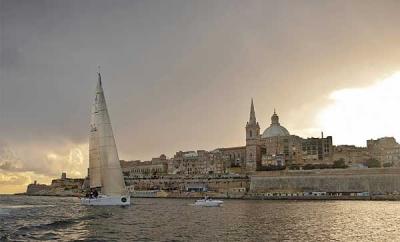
(46, 218)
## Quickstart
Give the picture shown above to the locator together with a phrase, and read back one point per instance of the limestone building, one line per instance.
(236, 156)
(198, 162)
(352, 155)
(386, 150)
(276, 146)
(138, 169)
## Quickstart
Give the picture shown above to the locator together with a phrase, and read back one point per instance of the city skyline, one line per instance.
(178, 81)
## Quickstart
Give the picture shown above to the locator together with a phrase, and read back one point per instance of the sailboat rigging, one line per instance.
(105, 174)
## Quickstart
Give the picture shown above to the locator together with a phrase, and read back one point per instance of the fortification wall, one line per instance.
(375, 181)
(180, 183)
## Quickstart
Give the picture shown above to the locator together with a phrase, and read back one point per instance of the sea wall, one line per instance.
(380, 183)
(180, 183)
(374, 181)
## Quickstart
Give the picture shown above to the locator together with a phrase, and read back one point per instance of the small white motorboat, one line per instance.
(208, 202)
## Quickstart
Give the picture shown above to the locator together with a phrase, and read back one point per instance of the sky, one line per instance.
(179, 75)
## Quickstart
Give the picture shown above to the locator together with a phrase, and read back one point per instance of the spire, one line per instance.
(99, 93)
(252, 119)
(98, 72)
(99, 87)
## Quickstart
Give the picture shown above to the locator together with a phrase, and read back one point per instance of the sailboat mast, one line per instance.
(94, 157)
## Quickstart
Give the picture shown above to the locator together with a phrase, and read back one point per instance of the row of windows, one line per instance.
(146, 170)
(234, 156)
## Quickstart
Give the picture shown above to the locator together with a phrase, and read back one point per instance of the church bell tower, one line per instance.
(252, 140)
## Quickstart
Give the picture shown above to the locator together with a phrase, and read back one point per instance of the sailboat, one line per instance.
(105, 173)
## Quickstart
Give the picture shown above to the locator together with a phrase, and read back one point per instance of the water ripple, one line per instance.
(64, 219)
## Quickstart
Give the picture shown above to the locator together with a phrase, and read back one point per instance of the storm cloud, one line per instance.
(178, 74)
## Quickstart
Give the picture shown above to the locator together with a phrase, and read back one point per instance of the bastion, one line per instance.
(374, 180)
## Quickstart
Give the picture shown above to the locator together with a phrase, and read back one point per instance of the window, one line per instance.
(250, 133)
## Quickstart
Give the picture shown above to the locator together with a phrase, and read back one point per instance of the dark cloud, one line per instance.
(180, 74)
(8, 159)
(8, 166)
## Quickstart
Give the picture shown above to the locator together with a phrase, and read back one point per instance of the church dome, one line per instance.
(275, 129)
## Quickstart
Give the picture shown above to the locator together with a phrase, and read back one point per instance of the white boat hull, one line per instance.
(208, 203)
(103, 200)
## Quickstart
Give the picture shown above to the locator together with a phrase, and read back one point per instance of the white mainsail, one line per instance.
(94, 158)
(104, 166)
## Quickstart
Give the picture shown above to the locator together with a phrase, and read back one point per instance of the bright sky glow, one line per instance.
(358, 114)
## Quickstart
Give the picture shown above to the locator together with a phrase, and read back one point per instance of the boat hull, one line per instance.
(107, 201)
(208, 203)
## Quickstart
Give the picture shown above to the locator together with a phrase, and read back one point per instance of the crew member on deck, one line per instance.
(95, 193)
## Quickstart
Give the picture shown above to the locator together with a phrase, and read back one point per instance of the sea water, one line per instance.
(24, 218)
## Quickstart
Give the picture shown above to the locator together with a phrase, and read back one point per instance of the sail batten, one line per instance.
(104, 166)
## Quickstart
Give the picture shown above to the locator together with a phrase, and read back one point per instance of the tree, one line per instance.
(309, 167)
(387, 164)
(371, 163)
(294, 167)
(339, 163)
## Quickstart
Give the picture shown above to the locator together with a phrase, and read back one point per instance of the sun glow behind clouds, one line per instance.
(359, 114)
(25, 164)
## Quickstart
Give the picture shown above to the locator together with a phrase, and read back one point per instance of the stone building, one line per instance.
(316, 150)
(35, 188)
(63, 186)
(386, 150)
(276, 146)
(235, 155)
(352, 155)
(69, 183)
(135, 169)
(198, 162)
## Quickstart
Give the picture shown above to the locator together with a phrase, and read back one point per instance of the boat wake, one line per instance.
(57, 224)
